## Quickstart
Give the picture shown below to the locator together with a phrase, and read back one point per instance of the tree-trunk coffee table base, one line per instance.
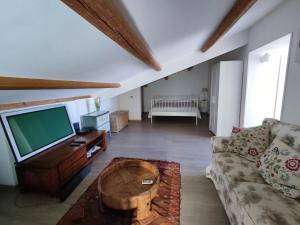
(143, 209)
(120, 187)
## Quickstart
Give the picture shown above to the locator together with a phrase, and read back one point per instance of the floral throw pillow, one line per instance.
(249, 143)
(280, 167)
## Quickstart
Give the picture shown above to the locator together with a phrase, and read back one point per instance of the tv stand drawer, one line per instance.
(69, 172)
(67, 163)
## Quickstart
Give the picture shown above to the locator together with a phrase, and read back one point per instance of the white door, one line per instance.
(214, 90)
(229, 98)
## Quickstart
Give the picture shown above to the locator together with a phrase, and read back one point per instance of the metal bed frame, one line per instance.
(180, 105)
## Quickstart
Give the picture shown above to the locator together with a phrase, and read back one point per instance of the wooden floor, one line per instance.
(172, 139)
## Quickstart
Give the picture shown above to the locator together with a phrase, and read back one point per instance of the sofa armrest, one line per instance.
(219, 143)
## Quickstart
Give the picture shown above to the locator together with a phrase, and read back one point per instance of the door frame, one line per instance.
(246, 77)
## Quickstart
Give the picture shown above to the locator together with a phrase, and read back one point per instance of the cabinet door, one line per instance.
(100, 120)
(105, 127)
(214, 91)
(229, 103)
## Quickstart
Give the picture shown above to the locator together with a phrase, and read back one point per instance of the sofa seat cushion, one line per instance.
(266, 206)
(227, 170)
(236, 169)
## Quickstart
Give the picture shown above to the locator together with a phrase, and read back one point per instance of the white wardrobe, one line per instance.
(225, 96)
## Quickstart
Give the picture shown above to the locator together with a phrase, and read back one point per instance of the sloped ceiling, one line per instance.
(46, 39)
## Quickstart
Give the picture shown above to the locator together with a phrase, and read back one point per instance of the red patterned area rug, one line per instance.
(165, 207)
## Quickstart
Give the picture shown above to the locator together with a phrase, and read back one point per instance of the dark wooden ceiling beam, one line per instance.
(107, 17)
(16, 83)
(17, 105)
(236, 12)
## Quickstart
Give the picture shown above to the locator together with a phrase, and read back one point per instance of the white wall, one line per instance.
(181, 83)
(76, 109)
(7, 168)
(185, 61)
(110, 104)
(83, 106)
(282, 21)
(132, 101)
(237, 54)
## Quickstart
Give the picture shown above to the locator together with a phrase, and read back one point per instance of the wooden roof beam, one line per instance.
(16, 105)
(236, 12)
(16, 83)
(109, 18)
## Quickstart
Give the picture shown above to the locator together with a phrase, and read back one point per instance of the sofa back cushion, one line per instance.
(280, 167)
(286, 132)
(249, 143)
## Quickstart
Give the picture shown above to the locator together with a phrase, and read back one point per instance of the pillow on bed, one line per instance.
(249, 143)
(280, 167)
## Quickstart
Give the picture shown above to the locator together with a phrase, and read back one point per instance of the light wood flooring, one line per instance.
(172, 139)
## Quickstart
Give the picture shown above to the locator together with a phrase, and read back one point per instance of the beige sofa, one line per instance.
(246, 197)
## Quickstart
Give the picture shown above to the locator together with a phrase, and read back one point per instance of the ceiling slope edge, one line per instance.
(222, 47)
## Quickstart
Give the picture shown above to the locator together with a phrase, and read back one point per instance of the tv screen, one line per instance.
(33, 131)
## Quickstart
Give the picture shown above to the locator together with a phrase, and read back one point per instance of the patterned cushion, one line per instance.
(250, 143)
(280, 167)
(288, 133)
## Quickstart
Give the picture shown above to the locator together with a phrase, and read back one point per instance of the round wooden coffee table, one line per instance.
(120, 186)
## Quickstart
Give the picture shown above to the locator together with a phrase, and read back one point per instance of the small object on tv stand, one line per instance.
(76, 126)
(84, 130)
(79, 142)
(74, 144)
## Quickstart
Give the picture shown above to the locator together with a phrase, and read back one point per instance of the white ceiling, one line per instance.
(46, 39)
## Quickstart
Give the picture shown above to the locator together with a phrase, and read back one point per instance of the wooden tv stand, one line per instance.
(52, 170)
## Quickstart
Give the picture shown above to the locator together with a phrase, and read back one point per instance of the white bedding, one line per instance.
(187, 106)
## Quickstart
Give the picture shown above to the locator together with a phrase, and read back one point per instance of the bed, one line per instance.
(187, 106)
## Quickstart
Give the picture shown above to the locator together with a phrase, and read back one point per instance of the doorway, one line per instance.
(267, 68)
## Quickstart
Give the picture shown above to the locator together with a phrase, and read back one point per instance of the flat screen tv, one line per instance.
(32, 131)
